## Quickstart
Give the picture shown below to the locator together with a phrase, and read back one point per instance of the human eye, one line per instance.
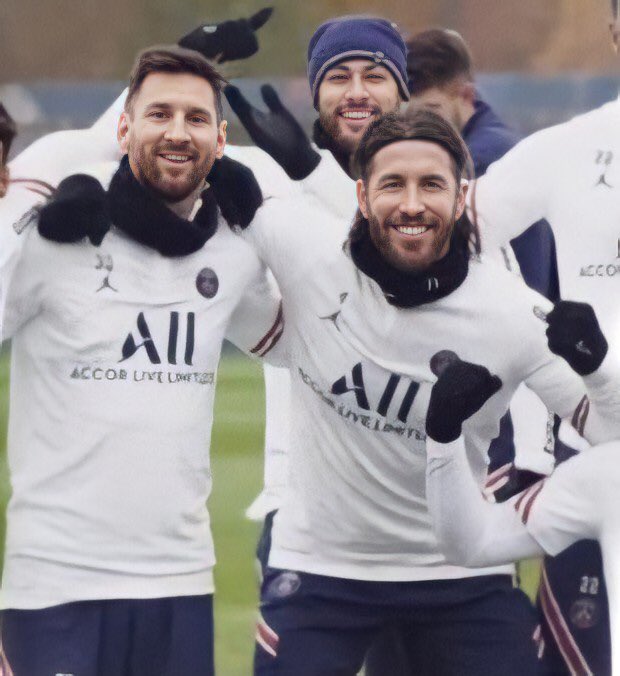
(198, 119)
(390, 185)
(157, 115)
(337, 77)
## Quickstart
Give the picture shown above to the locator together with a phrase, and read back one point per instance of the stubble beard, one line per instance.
(394, 256)
(151, 176)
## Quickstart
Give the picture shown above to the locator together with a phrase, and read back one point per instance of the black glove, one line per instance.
(229, 40)
(236, 190)
(460, 391)
(276, 132)
(574, 334)
(78, 209)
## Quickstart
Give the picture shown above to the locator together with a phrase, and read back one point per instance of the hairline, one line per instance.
(128, 105)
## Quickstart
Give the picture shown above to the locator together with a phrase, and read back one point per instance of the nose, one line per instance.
(411, 203)
(176, 130)
(356, 90)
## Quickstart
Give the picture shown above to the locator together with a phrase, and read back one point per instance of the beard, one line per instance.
(344, 143)
(414, 255)
(151, 175)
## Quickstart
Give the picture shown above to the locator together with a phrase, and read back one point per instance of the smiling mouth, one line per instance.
(356, 114)
(176, 159)
(412, 230)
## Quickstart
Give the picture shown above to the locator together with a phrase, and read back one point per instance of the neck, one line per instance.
(184, 207)
(325, 141)
(467, 112)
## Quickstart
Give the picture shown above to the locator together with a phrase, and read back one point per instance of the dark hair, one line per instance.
(415, 125)
(436, 58)
(8, 130)
(174, 59)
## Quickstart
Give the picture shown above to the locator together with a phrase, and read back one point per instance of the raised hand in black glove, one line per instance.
(277, 132)
(229, 40)
(78, 209)
(460, 391)
(574, 334)
(236, 190)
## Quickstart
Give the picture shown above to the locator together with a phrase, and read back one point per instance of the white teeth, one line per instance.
(176, 158)
(412, 230)
(357, 115)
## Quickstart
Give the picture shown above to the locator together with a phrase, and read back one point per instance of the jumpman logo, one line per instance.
(104, 262)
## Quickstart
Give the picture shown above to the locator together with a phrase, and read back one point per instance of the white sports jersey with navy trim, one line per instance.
(114, 359)
(355, 505)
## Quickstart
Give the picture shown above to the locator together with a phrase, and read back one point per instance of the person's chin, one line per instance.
(173, 191)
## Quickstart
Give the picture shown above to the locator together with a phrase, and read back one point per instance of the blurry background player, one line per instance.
(570, 175)
(7, 134)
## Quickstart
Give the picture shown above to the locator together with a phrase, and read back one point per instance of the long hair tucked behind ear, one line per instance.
(415, 125)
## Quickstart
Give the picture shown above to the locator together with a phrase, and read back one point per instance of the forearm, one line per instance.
(471, 531)
(599, 420)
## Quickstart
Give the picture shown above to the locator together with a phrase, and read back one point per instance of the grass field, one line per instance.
(237, 468)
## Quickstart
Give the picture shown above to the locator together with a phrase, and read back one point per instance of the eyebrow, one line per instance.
(425, 177)
(196, 110)
(389, 177)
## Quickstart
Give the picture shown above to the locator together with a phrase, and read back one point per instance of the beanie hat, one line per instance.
(357, 37)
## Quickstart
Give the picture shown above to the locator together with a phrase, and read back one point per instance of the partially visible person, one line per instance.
(527, 184)
(8, 130)
(116, 340)
(441, 78)
(578, 501)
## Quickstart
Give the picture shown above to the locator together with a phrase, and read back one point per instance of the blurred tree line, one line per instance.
(93, 39)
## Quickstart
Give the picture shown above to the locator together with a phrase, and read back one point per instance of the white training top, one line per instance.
(114, 359)
(57, 155)
(570, 175)
(355, 506)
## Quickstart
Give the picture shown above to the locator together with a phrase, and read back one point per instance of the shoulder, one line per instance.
(271, 178)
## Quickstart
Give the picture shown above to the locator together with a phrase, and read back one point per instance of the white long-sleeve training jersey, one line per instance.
(570, 175)
(355, 506)
(114, 359)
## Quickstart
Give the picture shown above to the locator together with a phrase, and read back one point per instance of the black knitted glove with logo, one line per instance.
(77, 210)
(460, 391)
(229, 40)
(276, 132)
(574, 334)
(236, 190)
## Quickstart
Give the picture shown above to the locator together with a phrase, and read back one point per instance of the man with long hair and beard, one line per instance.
(407, 307)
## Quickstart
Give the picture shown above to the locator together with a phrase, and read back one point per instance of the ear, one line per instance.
(468, 93)
(614, 29)
(361, 197)
(221, 139)
(122, 132)
(461, 199)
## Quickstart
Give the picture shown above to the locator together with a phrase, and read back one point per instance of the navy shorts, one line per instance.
(312, 625)
(134, 637)
(575, 613)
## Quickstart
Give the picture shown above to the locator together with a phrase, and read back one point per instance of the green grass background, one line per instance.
(237, 460)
